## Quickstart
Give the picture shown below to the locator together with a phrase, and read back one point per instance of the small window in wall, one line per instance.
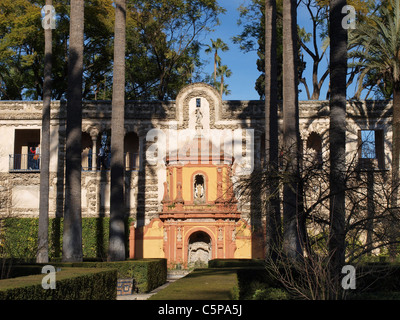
(131, 147)
(371, 146)
(198, 102)
(314, 144)
(26, 156)
(368, 144)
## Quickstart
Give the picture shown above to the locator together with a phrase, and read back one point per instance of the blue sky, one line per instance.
(243, 65)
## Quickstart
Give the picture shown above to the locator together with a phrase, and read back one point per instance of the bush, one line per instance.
(13, 270)
(19, 237)
(270, 294)
(255, 284)
(148, 274)
(234, 263)
(374, 277)
(71, 284)
(373, 281)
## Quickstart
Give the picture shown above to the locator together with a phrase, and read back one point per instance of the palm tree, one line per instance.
(273, 214)
(223, 71)
(117, 208)
(72, 236)
(291, 134)
(43, 244)
(337, 134)
(215, 46)
(377, 49)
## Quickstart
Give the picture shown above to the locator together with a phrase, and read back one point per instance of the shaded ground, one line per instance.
(171, 278)
(201, 284)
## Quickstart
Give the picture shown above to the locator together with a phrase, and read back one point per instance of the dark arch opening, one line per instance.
(199, 249)
(314, 142)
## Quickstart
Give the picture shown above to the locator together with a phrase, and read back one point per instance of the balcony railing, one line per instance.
(24, 163)
(29, 163)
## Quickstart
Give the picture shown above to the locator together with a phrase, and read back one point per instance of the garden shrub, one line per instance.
(16, 270)
(376, 281)
(148, 274)
(234, 263)
(270, 294)
(251, 280)
(18, 237)
(71, 284)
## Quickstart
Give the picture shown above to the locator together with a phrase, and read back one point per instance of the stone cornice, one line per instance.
(166, 110)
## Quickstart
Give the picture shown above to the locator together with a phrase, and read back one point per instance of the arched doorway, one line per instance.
(199, 249)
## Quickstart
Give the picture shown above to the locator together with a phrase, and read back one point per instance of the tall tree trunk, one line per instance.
(395, 167)
(273, 214)
(291, 135)
(72, 236)
(222, 85)
(43, 238)
(117, 205)
(215, 67)
(337, 135)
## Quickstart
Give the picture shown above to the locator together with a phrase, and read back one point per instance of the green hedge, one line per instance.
(234, 263)
(255, 284)
(71, 284)
(148, 274)
(374, 281)
(12, 270)
(18, 237)
(253, 280)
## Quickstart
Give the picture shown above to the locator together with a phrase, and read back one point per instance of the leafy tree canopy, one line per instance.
(163, 43)
(374, 49)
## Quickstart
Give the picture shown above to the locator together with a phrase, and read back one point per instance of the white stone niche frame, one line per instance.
(186, 105)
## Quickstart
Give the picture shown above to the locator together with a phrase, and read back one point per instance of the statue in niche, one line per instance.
(199, 193)
(199, 117)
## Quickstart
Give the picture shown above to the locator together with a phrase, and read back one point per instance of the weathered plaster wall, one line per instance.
(144, 188)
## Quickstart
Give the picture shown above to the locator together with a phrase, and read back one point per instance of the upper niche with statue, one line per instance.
(198, 106)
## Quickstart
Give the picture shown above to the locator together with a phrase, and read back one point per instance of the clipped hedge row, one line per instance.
(235, 263)
(19, 237)
(374, 281)
(148, 274)
(10, 270)
(71, 284)
(253, 280)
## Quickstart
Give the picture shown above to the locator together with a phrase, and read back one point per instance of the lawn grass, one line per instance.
(202, 284)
